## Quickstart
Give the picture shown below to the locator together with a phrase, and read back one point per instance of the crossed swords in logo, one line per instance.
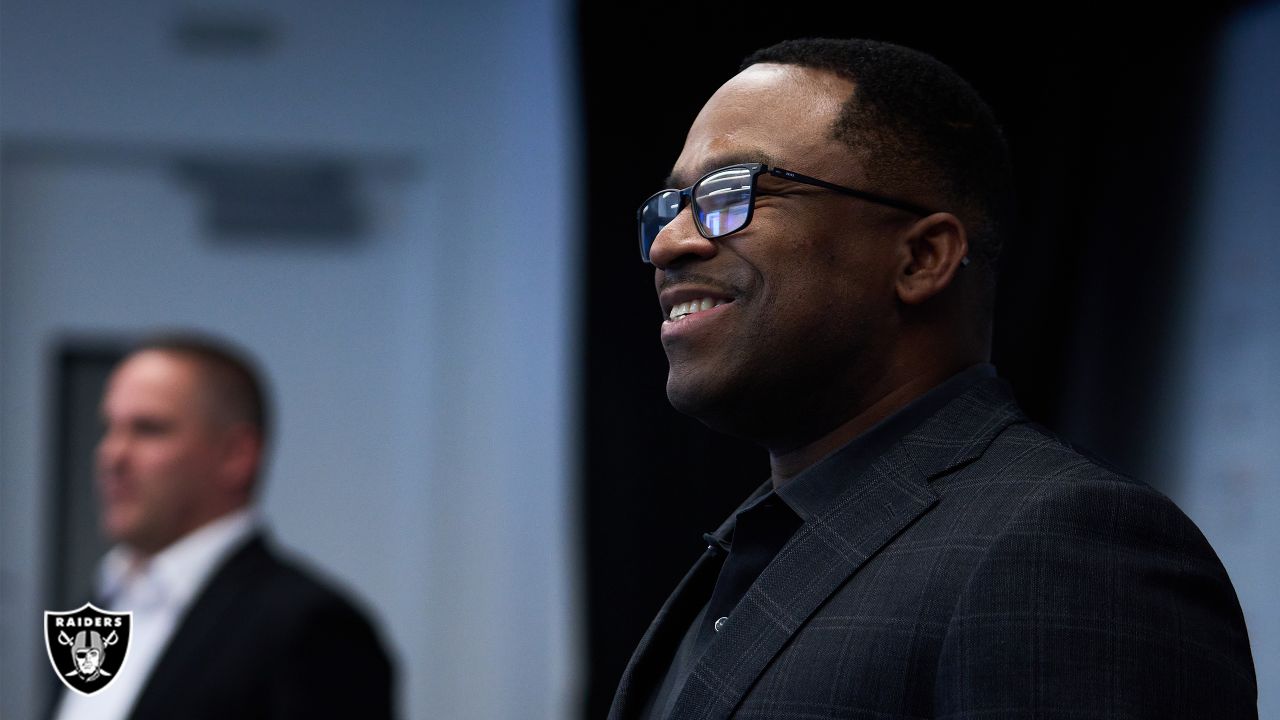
(88, 647)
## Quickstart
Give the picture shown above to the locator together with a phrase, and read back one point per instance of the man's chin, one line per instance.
(117, 526)
(687, 396)
(127, 528)
(710, 403)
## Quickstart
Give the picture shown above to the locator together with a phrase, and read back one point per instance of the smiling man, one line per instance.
(825, 266)
(222, 626)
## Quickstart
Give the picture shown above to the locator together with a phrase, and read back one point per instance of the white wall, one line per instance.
(1223, 448)
(423, 376)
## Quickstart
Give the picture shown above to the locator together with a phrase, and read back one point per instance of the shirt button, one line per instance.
(720, 623)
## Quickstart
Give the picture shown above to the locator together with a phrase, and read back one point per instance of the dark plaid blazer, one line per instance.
(980, 568)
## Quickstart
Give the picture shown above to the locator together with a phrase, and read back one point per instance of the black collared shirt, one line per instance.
(750, 539)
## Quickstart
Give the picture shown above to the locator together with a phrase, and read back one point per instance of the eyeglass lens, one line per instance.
(721, 202)
(656, 213)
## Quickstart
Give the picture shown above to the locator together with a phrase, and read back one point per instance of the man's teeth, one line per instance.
(693, 306)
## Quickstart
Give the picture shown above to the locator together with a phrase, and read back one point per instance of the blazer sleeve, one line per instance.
(1100, 599)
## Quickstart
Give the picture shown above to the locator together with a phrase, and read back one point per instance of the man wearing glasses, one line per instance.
(920, 550)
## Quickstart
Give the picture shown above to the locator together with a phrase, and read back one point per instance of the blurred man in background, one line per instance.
(826, 276)
(222, 627)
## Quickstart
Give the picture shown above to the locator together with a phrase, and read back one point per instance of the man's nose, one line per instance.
(110, 449)
(680, 242)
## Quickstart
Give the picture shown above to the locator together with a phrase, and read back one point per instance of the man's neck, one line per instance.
(786, 464)
(214, 517)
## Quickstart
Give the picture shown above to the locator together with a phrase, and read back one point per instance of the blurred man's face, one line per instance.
(158, 457)
(800, 299)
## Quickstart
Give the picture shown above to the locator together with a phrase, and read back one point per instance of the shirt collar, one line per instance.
(182, 568)
(722, 535)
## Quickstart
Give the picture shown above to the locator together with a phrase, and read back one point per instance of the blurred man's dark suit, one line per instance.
(977, 569)
(263, 639)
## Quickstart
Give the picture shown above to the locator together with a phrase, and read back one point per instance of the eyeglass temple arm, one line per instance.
(870, 197)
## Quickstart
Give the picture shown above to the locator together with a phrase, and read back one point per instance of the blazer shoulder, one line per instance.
(313, 618)
(1059, 450)
(1055, 481)
(1091, 585)
(302, 591)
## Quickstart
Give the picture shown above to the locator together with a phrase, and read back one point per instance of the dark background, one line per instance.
(1103, 111)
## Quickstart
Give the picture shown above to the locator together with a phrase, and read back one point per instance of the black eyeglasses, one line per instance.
(724, 200)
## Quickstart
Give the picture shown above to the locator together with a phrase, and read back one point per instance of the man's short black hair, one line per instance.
(228, 373)
(916, 124)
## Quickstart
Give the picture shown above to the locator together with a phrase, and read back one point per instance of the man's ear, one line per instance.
(243, 452)
(935, 247)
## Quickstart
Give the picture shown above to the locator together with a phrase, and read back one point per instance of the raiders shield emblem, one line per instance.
(87, 646)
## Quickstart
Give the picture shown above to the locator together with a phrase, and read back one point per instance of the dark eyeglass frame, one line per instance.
(755, 171)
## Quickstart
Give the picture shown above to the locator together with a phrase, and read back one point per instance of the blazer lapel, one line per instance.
(198, 629)
(659, 642)
(817, 560)
(891, 494)
(961, 431)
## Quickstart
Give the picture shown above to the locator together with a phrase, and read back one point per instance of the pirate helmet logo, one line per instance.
(88, 646)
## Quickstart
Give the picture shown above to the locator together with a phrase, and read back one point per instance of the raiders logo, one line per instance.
(87, 646)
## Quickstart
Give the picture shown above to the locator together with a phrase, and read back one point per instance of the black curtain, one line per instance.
(1104, 113)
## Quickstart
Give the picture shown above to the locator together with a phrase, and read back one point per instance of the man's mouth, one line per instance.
(697, 305)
